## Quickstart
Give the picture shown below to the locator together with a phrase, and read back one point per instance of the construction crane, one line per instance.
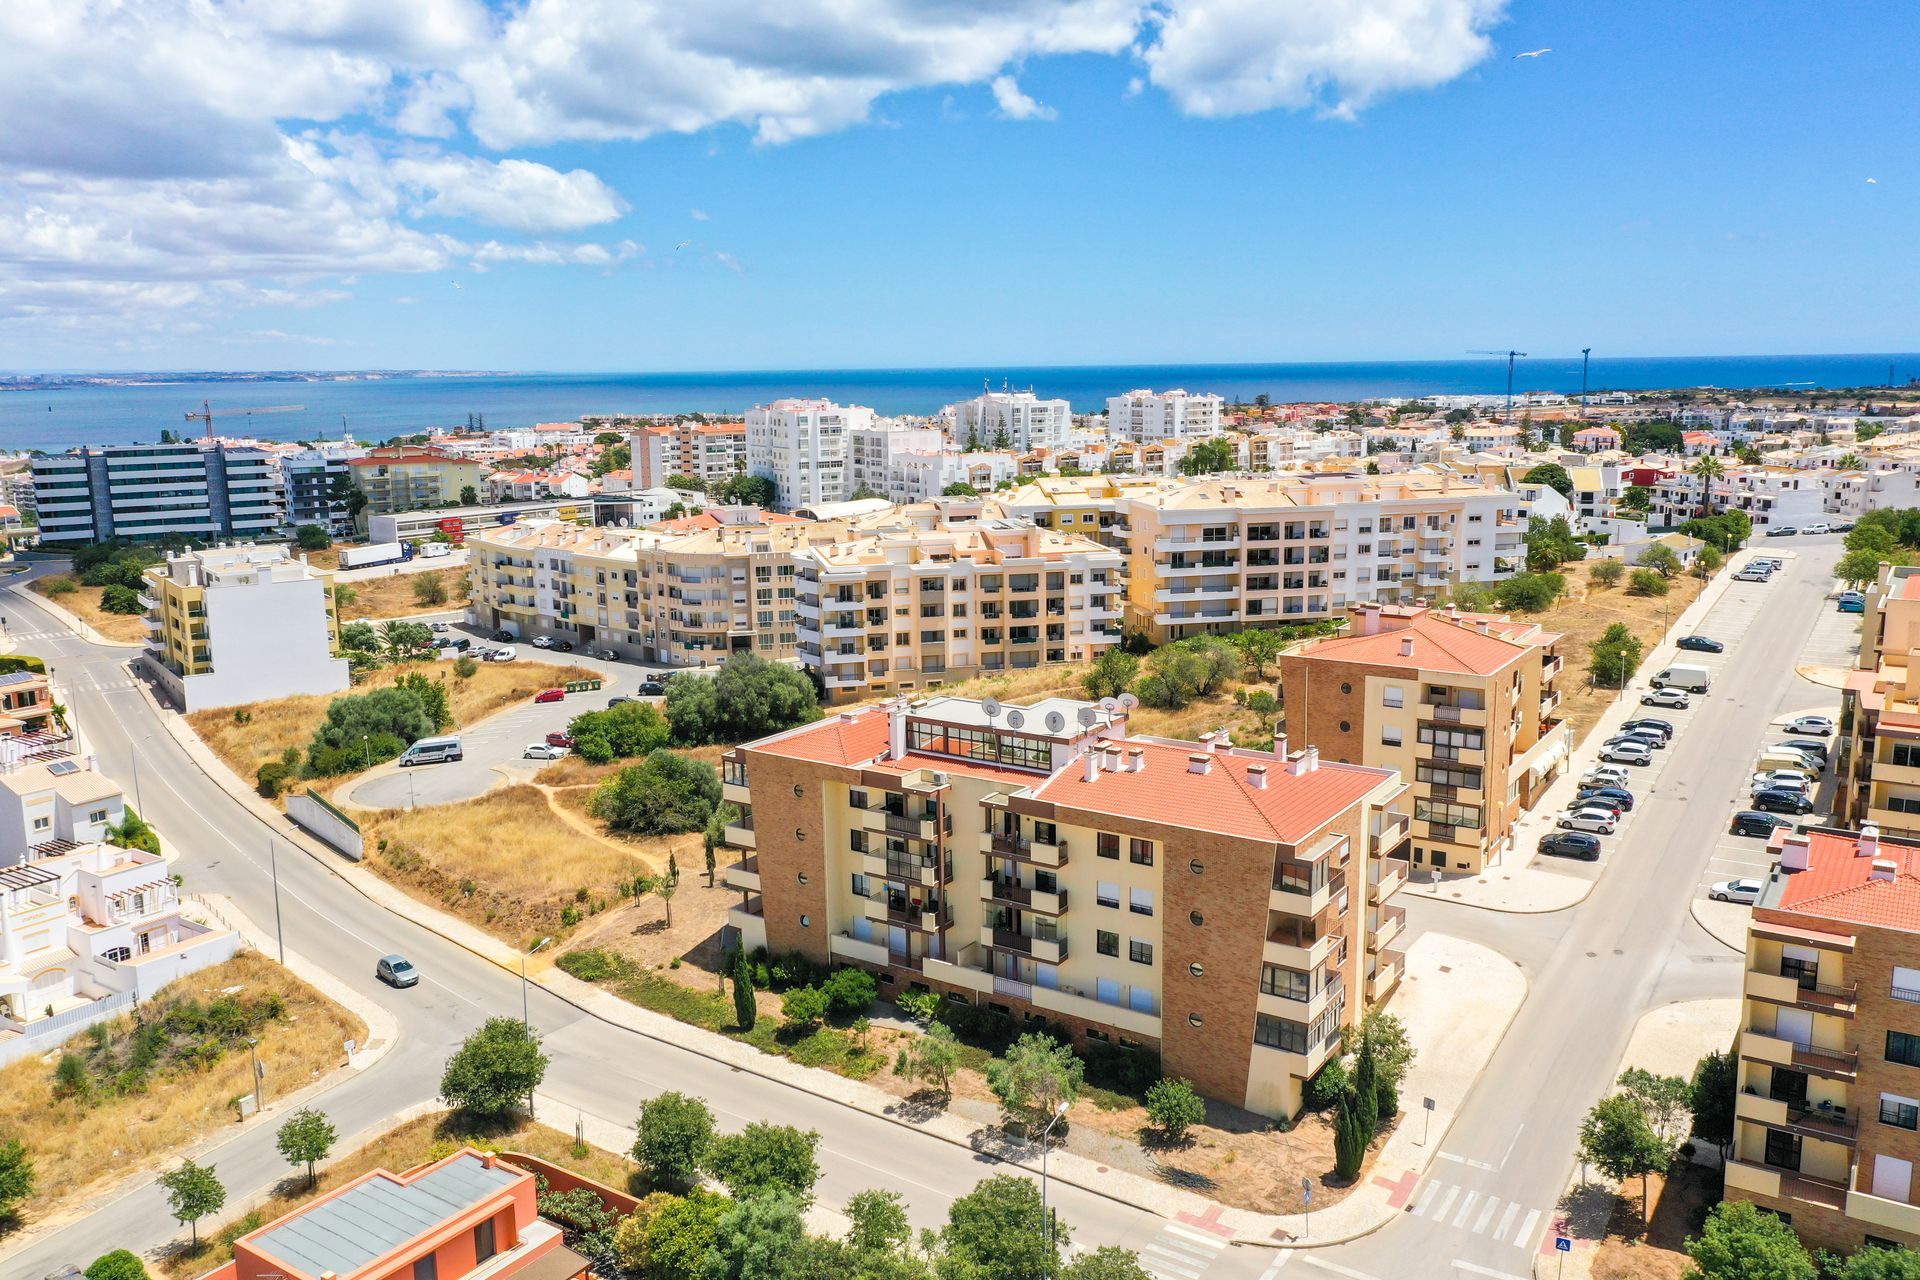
(207, 414)
(1511, 356)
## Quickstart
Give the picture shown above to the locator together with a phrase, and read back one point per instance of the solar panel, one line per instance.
(60, 768)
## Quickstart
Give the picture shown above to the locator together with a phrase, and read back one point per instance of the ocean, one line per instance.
(374, 408)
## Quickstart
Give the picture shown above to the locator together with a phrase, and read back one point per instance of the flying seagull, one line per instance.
(1531, 53)
(454, 283)
(683, 244)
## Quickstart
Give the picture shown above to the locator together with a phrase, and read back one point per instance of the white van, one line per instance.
(1783, 759)
(431, 751)
(1684, 675)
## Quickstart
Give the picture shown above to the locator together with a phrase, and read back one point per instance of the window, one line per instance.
(1468, 778)
(1393, 696)
(1452, 739)
(1140, 852)
(1198, 867)
(1193, 1019)
(1903, 1113)
(1390, 735)
(483, 1243)
(427, 1268)
(41, 824)
(1197, 969)
(1449, 815)
(1288, 984)
(118, 953)
(1107, 845)
(859, 885)
(1107, 893)
(1906, 754)
(97, 816)
(1276, 1033)
(1107, 944)
(1140, 951)
(1196, 918)
(1140, 901)
(1903, 1048)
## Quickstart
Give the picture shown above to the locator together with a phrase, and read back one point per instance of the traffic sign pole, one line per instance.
(1306, 1197)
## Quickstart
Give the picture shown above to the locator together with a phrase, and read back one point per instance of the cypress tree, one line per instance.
(745, 1011)
(1366, 1093)
(1349, 1139)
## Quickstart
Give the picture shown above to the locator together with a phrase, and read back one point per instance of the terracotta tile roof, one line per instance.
(1838, 884)
(1437, 646)
(1910, 586)
(1288, 809)
(835, 740)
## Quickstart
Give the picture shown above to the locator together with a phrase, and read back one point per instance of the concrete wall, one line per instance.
(321, 819)
(268, 640)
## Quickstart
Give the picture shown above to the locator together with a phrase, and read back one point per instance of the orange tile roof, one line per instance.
(1838, 884)
(835, 740)
(1437, 646)
(1287, 810)
(1910, 586)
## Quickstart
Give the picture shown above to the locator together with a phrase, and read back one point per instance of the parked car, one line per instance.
(459, 644)
(560, 738)
(1651, 739)
(619, 698)
(652, 689)
(1571, 844)
(542, 751)
(1627, 753)
(1818, 726)
(1813, 746)
(550, 695)
(1768, 563)
(1743, 890)
(1852, 606)
(1790, 779)
(1650, 724)
(1605, 775)
(501, 634)
(1751, 822)
(1778, 801)
(397, 971)
(1700, 644)
(563, 646)
(1843, 526)
(1818, 526)
(1751, 574)
(1593, 800)
(1598, 821)
(1678, 699)
(1618, 797)
(437, 626)
(542, 642)
(1782, 531)
(505, 653)
(605, 655)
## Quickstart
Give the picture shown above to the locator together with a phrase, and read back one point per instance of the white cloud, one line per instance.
(517, 194)
(1014, 104)
(1231, 57)
(701, 215)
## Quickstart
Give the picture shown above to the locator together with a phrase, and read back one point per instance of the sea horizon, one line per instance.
(376, 404)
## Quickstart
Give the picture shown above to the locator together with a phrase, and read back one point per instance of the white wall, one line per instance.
(268, 640)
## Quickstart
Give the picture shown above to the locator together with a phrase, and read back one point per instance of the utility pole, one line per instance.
(280, 938)
(253, 1047)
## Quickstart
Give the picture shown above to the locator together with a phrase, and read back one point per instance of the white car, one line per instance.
(1818, 726)
(1605, 775)
(543, 751)
(1735, 891)
(505, 654)
(1627, 753)
(1753, 575)
(1782, 779)
(1600, 822)
(543, 642)
(1818, 526)
(1677, 698)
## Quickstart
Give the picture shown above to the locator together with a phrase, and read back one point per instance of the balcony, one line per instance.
(1047, 950)
(1393, 923)
(920, 869)
(1832, 1124)
(926, 917)
(750, 919)
(848, 947)
(1837, 1001)
(1551, 667)
(1290, 897)
(1392, 878)
(1126, 1018)
(1011, 894)
(964, 976)
(1300, 1065)
(744, 874)
(1386, 975)
(1549, 702)
(1391, 834)
(1037, 852)
(1762, 1045)
(1894, 1215)
(899, 824)
(1454, 713)
(1785, 1184)
(740, 834)
(1293, 948)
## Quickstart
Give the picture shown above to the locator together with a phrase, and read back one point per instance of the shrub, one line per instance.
(850, 990)
(311, 537)
(1111, 673)
(270, 778)
(666, 794)
(121, 1264)
(1034, 1077)
(121, 599)
(673, 1134)
(765, 1159)
(495, 1069)
(1350, 1138)
(465, 667)
(594, 964)
(1174, 1107)
(1646, 582)
(918, 1005)
(59, 585)
(1606, 573)
(1329, 1085)
(749, 698)
(1529, 592)
(618, 733)
(803, 1007)
(1124, 1070)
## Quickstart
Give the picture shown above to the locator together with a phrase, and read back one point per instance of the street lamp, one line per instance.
(366, 751)
(1046, 1218)
(525, 1023)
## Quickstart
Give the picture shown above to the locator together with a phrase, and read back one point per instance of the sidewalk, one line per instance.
(1512, 882)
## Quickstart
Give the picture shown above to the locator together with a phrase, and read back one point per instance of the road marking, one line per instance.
(1506, 1219)
(1161, 1267)
(1475, 1268)
(1474, 1164)
(1337, 1269)
(1486, 1215)
(1466, 1207)
(1511, 1145)
(1213, 1243)
(1190, 1244)
(1281, 1258)
(1525, 1233)
(1453, 1193)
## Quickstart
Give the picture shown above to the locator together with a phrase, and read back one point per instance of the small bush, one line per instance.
(803, 1007)
(1329, 1086)
(59, 585)
(1646, 582)
(1174, 1108)
(270, 778)
(121, 599)
(850, 990)
(595, 965)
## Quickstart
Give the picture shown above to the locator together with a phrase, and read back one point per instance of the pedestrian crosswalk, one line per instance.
(1182, 1253)
(1476, 1212)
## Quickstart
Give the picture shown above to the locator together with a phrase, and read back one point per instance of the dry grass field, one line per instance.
(245, 741)
(393, 596)
(1587, 611)
(82, 1143)
(84, 604)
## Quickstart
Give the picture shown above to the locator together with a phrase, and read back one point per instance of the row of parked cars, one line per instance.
(1602, 796)
(1818, 526)
(1759, 569)
(1781, 789)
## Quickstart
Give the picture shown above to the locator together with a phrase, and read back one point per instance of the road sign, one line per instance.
(1562, 1244)
(1427, 1103)
(1306, 1191)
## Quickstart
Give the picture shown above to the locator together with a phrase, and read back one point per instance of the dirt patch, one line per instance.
(1679, 1207)
(406, 1147)
(512, 864)
(248, 736)
(1585, 613)
(396, 596)
(84, 604)
(80, 1143)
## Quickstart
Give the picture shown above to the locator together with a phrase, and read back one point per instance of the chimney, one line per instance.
(1869, 846)
(1093, 767)
(1485, 626)
(1297, 763)
(1406, 646)
(1313, 760)
(1221, 739)
(1257, 776)
(1453, 612)
(1136, 759)
(1198, 762)
(1280, 745)
(1110, 757)
(1885, 869)
(896, 729)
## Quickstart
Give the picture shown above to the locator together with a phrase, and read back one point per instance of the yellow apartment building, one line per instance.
(408, 477)
(1084, 505)
(1226, 909)
(1879, 760)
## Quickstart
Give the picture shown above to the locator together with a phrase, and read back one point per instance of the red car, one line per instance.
(550, 695)
(560, 739)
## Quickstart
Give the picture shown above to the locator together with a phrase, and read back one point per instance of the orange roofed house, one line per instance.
(1827, 1108)
(1224, 908)
(467, 1217)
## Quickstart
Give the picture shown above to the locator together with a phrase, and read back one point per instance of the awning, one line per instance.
(558, 1264)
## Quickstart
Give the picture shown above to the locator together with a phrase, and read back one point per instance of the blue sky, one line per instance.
(1235, 180)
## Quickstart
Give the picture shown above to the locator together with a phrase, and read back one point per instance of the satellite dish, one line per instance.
(990, 707)
(1089, 716)
(1109, 704)
(1128, 702)
(1055, 722)
(1016, 718)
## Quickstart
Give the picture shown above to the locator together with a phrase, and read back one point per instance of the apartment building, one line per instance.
(407, 477)
(872, 452)
(1879, 757)
(1852, 494)
(1230, 910)
(1226, 554)
(1595, 439)
(470, 1214)
(1017, 420)
(668, 596)
(1084, 505)
(906, 607)
(922, 476)
(151, 492)
(710, 452)
(26, 704)
(1464, 706)
(1141, 416)
(315, 481)
(801, 445)
(86, 928)
(241, 624)
(1827, 1113)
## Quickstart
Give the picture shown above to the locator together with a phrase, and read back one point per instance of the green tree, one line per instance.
(1614, 657)
(428, 589)
(1108, 1262)
(1605, 573)
(1865, 431)
(362, 636)
(932, 1056)
(749, 698)
(801, 1009)
(1873, 1263)
(1259, 648)
(850, 990)
(959, 489)
(1636, 497)
(193, 1192)
(1617, 1139)
(1661, 558)
(1551, 543)
(1849, 462)
(666, 794)
(403, 641)
(1365, 1096)
(1553, 475)
(765, 1158)
(1350, 1138)
(1647, 582)
(745, 1011)
(494, 1069)
(1708, 468)
(1859, 568)
(1529, 592)
(1743, 1242)
(121, 1264)
(748, 491)
(1707, 560)
(1112, 672)
(469, 496)
(877, 1222)
(995, 1232)
(1384, 1037)
(1710, 1096)
(17, 1177)
(306, 1138)
(762, 1239)
(680, 1236)
(1174, 1108)
(1033, 1078)
(673, 1135)
(1666, 1100)
(311, 537)
(618, 733)
(1208, 457)
(119, 599)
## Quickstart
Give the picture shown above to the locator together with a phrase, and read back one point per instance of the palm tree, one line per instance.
(1707, 467)
(1849, 462)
